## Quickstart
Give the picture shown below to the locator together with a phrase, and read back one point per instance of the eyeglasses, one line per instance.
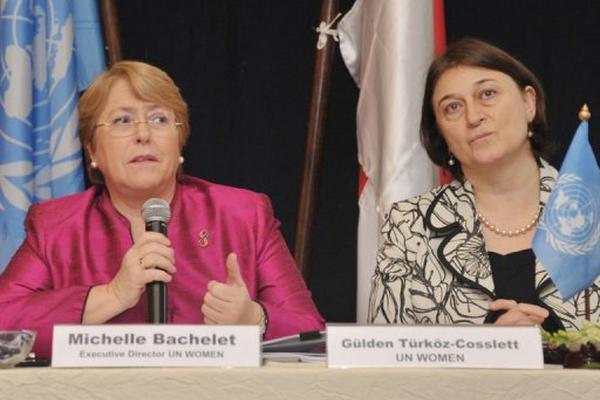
(123, 126)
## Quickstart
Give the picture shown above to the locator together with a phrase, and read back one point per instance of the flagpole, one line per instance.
(585, 115)
(314, 137)
(110, 22)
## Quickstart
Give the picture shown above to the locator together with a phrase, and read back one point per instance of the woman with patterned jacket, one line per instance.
(461, 254)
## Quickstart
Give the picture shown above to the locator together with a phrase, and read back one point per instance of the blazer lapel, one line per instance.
(452, 219)
(548, 176)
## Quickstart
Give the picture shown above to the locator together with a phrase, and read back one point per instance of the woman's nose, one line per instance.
(142, 131)
(474, 114)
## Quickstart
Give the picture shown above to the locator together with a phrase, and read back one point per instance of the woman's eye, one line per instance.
(122, 120)
(159, 119)
(452, 108)
(488, 93)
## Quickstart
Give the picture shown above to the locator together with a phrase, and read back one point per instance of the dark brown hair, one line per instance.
(477, 53)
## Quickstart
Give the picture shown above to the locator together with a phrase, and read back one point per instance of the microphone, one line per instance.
(156, 214)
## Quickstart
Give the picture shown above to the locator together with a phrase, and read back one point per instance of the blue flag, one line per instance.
(50, 50)
(567, 241)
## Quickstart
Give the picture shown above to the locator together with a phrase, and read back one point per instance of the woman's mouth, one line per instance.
(143, 158)
(480, 137)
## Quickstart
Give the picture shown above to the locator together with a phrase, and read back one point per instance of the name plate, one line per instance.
(155, 346)
(434, 346)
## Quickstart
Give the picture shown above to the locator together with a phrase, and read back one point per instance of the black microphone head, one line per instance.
(155, 209)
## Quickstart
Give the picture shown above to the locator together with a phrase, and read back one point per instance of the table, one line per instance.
(297, 381)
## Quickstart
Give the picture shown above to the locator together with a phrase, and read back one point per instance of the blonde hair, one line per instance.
(149, 83)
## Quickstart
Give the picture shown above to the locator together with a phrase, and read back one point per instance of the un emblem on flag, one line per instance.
(41, 152)
(42, 70)
(571, 219)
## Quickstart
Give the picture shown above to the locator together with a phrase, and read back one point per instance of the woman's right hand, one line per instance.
(518, 313)
(151, 258)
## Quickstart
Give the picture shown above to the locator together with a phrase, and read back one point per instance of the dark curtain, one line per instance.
(245, 68)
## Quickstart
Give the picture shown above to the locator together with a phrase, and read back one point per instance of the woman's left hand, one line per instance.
(229, 303)
(519, 313)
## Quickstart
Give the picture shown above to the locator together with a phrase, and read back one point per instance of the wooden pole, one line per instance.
(112, 35)
(314, 140)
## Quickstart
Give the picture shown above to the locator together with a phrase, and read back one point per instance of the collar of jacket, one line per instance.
(451, 218)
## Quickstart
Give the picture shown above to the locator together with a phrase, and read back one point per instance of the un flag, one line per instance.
(567, 241)
(49, 51)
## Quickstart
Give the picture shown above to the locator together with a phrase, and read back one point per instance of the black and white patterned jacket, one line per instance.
(433, 267)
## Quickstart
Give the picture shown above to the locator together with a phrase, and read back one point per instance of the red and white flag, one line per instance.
(387, 46)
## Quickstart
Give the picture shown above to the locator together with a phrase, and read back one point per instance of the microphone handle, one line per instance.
(157, 302)
(156, 291)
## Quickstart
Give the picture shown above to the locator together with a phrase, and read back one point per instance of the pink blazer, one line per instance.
(78, 241)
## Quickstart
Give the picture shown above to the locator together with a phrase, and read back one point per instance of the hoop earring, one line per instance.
(451, 161)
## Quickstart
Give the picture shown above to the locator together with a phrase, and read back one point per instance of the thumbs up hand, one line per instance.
(229, 303)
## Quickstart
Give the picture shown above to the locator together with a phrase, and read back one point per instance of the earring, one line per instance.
(451, 161)
(529, 134)
(181, 159)
(93, 164)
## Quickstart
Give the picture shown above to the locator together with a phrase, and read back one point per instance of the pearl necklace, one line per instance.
(516, 232)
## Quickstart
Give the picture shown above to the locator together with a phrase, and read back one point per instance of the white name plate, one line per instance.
(155, 346)
(428, 346)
